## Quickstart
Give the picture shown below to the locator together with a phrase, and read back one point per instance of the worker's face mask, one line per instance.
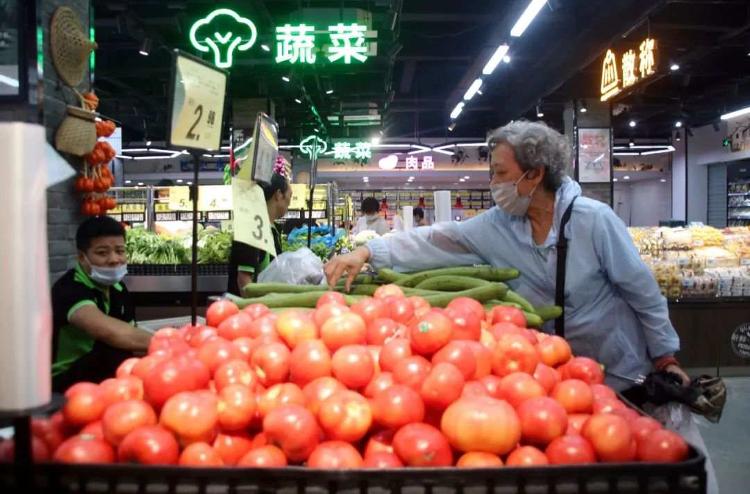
(507, 198)
(107, 276)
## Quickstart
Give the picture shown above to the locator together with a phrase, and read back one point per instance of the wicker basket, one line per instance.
(69, 45)
(77, 133)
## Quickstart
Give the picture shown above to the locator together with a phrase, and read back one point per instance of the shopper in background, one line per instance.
(93, 313)
(371, 219)
(418, 214)
(247, 262)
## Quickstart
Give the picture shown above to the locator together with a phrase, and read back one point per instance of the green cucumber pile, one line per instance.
(437, 286)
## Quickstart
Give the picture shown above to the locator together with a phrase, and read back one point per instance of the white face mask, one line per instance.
(507, 198)
(107, 276)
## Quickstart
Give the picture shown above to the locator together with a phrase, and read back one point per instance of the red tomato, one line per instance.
(235, 372)
(375, 354)
(512, 315)
(236, 407)
(232, 447)
(150, 445)
(546, 376)
(353, 366)
(554, 351)
(95, 429)
(330, 297)
(39, 450)
(381, 330)
(256, 311)
(400, 309)
(412, 371)
(271, 362)
(218, 351)
(569, 450)
(296, 326)
(345, 416)
(319, 390)
(475, 388)
(177, 374)
(662, 446)
(168, 340)
(84, 449)
(397, 406)
(610, 437)
(382, 459)
(380, 382)
(430, 333)
(121, 389)
(517, 387)
(324, 312)
(542, 420)
(575, 423)
(481, 424)
(422, 445)
(601, 391)
(393, 352)
(84, 404)
(514, 353)
(196, 336)
(147, 363)
(219, 311)
(370, 309)
(471, 305)
(421, 306)
(643, 427)
(53, 435)
(442, 386)
(191, 416)
(126, 367)
(268, 456)
(478, 459)
(345, 329)
(608, 405)
(380, 442)
(460, 354)
(292, 428)
(245, 346)
(123, 417)
(482, 359)
(467, 325)
(200, 455)
(574, 395)
(583, 368)
(335, 455)
(264, 326)
(388, 291)
(526, 456)
(279, 395)
(235, 326)
(309, 361)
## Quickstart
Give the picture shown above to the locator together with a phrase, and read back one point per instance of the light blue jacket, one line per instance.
(614, 311)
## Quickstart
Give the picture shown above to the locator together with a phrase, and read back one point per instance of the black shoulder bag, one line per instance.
(562, 255)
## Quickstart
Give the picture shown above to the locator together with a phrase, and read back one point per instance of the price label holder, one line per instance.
(215, 198)
(299, 196)
(251, 223)
(265, 148)
(179, 199)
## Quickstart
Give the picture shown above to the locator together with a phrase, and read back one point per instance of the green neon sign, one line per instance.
(313, 146)
(357, 151)
(222, 32)
(347, 43)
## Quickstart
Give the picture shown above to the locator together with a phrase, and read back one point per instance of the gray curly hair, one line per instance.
(535, 146)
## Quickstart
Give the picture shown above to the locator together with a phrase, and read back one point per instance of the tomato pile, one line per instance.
(388, 382)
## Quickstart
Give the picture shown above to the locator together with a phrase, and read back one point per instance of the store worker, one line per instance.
(94, 316)
(371, 218)
(247, 262)
(614, 311)
(418, 215)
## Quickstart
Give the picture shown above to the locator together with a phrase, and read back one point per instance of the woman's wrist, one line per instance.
(661, 363)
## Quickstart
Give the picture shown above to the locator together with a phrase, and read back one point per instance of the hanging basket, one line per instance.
(69, 45)
(77, 133)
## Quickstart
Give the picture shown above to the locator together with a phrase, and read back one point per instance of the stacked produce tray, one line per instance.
(685, 477)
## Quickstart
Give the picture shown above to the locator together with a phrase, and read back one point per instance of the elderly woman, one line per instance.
(614, 311)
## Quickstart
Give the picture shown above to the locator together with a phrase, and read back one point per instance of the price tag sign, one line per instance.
(179, 199)
(300, 194)
(214, 198)
(251, 223)
(265, 148)
(198, 90)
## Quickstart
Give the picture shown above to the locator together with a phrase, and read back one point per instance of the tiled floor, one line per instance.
(728, 442)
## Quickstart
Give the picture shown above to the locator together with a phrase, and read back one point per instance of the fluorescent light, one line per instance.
(495, 59)
(473, 89)
(668, 149)
(452, 126)
(632, 123)
(622, 153)
(457, 110)
(179, 180)
(527, 17)
(506, 59)
(140, 183)
(265, 47)
(330, 91)
(678, 124)
(467, 177)
(128, 181)
(285, 78)
(411, 178)
(663, 180)
(462, 180)
(299, 101)
(8, 81)
(375, 141)
(148, 143)
(674, 67)
(735, 114)
(614, 180)
(626, 177)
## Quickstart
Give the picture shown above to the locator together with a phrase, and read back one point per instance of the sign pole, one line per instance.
(194, 246)
(313, 169)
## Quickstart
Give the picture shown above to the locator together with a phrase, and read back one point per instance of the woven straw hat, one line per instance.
(69, 45)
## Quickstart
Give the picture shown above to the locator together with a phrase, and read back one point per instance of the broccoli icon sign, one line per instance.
(222, 32)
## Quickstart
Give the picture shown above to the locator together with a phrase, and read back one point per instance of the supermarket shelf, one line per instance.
(733, 194)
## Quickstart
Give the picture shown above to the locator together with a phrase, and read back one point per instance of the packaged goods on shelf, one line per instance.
(732, 282)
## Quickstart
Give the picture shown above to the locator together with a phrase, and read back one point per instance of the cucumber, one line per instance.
(549, 312)
(533, 320)
(261, 289)
(483, 272)
(481, 294)
(365, 279)
(447, 283)
(511, 296)
(362, 290)
(494, 303)
(276, 300)
(386, 275)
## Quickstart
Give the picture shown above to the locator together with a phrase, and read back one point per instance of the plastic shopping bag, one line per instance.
(300, 267)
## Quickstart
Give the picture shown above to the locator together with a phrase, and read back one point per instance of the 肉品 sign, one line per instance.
(634, 65)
